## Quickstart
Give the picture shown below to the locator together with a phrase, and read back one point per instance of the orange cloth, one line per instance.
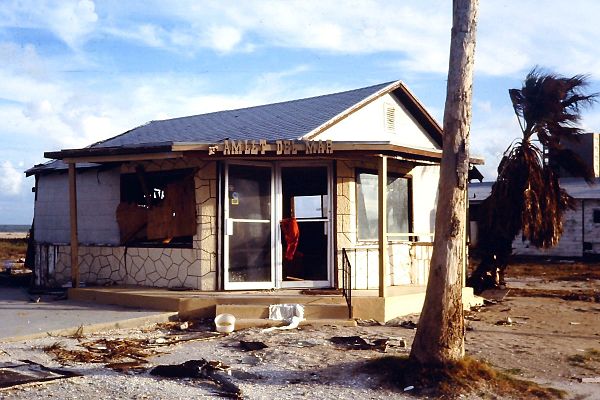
(291, 233)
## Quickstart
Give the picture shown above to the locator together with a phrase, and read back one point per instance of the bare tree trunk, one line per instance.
(440, 334)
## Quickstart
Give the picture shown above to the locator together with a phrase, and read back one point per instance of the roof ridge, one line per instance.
(270, 104)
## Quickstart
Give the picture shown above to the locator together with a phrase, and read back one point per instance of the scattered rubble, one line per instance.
(201, 369)
(116, 351)
(252, 346)
(27, 372)
(358, 343)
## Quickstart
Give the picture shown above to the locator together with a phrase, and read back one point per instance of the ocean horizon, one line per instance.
(14, 228)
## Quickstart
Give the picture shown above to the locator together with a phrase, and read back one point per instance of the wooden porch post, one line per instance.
(382, 228)
(73, 215)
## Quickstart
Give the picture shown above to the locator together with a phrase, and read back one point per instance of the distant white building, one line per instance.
(581, 235)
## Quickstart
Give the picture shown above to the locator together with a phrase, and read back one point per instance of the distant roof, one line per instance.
(576, 187)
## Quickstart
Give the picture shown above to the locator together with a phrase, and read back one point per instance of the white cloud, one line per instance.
(11, 180)
(224, 38)
(72, 21)
(512, 36)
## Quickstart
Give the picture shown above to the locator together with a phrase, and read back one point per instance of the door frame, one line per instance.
(276, 214)
(228, 229)
(281, 284)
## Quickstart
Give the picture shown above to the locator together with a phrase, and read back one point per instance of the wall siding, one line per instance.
(98, 195)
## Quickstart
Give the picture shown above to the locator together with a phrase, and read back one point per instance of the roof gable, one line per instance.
(384, 119)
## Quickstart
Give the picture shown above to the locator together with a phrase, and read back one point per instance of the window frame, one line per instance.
(409, 179)
(131, 192)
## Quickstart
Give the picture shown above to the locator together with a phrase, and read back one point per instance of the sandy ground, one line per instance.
(548, 341)
(13, 235)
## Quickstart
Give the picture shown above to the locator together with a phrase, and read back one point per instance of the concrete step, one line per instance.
(259, 311)
(246, 323)
(125, 298)
(274, 299)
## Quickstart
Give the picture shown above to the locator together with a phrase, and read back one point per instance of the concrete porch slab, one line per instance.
(26, 316)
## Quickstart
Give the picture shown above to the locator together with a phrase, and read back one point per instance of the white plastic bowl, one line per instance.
(225, 323)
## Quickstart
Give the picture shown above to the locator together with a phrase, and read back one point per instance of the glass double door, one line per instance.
(277, 226)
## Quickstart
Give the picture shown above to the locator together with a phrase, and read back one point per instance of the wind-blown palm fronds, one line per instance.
(526, 196)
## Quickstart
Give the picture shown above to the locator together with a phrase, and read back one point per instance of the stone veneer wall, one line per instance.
(408, 262)
(159, 267)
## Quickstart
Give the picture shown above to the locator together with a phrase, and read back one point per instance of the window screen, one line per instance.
(398, 205)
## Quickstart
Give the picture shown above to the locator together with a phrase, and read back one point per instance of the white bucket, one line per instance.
(225, 323)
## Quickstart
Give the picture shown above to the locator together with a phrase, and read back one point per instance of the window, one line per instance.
(398, 205)
(306, 207)
(157, 208)
(597, 216)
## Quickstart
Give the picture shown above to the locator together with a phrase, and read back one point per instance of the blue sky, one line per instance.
(76, 71)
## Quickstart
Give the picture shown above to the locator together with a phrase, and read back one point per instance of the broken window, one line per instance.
(157, 208)
(399, 211)
(596, 216)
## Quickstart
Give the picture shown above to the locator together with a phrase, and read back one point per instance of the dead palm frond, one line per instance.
(526, 196)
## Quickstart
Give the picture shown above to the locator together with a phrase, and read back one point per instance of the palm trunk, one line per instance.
(440, 334)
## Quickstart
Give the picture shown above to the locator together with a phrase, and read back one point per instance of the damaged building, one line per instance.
(284, 196)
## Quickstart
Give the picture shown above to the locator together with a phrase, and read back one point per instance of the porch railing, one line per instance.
(347, 281)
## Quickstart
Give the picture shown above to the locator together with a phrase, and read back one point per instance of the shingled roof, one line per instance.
(286, 120)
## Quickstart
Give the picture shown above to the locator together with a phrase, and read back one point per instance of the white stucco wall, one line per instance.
(98, 195)
(569, 245)
(368, 124)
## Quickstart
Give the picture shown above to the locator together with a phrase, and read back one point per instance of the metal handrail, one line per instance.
(347, 281)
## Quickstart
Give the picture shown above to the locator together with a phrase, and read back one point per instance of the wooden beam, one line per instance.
(74, 238)
(123, 157)
(382, 228)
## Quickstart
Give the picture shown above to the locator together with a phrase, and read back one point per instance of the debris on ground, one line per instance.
(408, 324)
(590, 380)
(506, 321)
(472, 317)
(115, 351)
(293, 324)
(368, 322)
(28, 372)
(286, 312)
(252, 346)
(201, 369)
(359, 343)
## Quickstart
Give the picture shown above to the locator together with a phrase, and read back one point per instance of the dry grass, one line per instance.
(467, 376)
(12, 249)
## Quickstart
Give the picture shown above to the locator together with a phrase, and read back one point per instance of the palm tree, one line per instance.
(526, 196)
